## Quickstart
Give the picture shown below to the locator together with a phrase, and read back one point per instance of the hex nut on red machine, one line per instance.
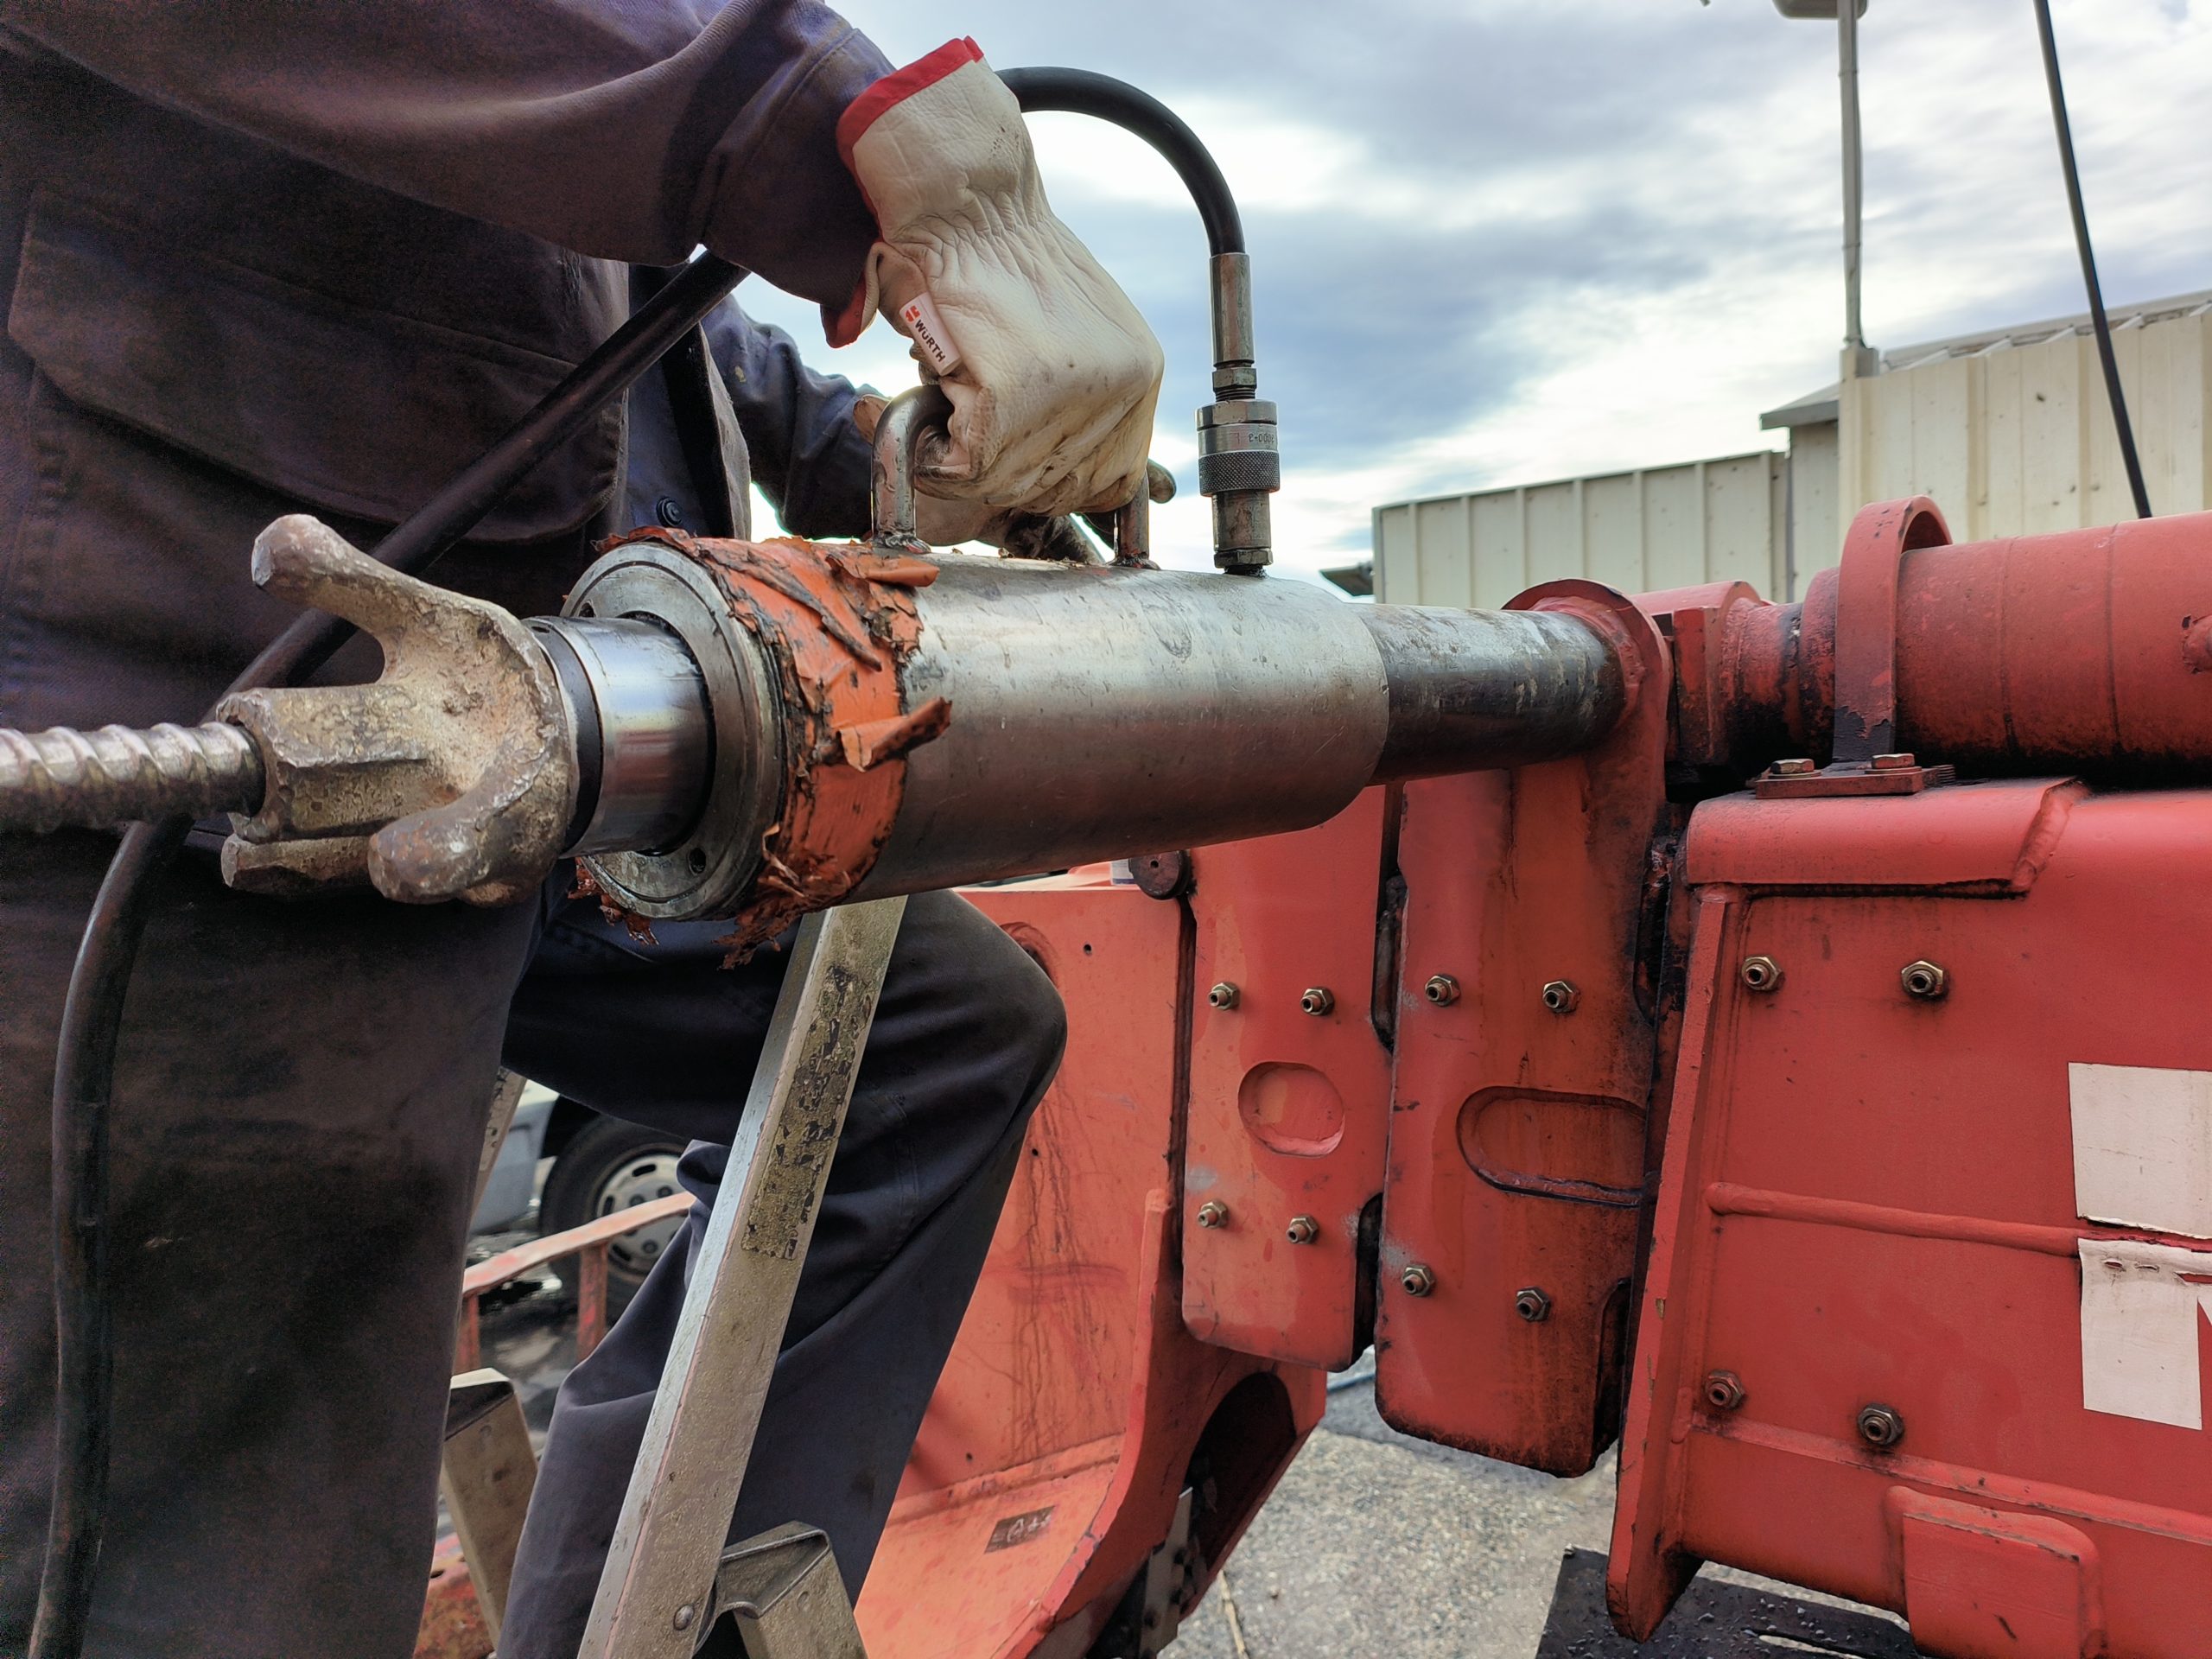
(1562, 997)
(1317, 1000)
(1303, 1230)
(1213, 1213)
(1441, 989)
(1724, 1390)
(1924, 982)
(1760, 974)
(1222, 996)
(1417, 1280)
(1532, 1305)
(1881, 1426)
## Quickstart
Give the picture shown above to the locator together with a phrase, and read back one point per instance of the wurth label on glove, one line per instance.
(927, 329)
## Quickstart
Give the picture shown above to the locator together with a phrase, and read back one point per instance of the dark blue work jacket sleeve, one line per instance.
(807, 457)
(627, 130)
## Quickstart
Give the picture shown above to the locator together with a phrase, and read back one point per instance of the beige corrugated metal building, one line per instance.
(2007, 430)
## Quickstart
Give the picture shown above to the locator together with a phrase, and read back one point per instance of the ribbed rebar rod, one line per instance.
(63, 778)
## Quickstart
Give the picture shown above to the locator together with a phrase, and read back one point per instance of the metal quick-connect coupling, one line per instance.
(1239, 466)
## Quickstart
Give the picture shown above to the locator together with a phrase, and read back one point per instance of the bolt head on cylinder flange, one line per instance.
(710, 871)
(1418, 1280)
(1560, 996)
(1760, 974)
(1442, 990)
(1532, 1305)
(1317, 1000)
(1213, 1213)
(1223, 996)
(1303, 1230)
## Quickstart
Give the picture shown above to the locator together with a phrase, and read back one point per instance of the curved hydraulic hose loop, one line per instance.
(91, 1017)
(1079, 91)
(1239, 465)
(909, 421)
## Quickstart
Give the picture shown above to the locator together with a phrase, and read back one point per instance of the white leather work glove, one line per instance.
(1052, 372)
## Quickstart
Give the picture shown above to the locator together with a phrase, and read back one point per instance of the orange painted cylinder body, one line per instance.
(2087, 650)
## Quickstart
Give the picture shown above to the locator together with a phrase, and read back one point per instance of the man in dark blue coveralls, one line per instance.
(268, 256)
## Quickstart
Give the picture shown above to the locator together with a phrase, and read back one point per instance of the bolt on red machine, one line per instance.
(1804, 1086)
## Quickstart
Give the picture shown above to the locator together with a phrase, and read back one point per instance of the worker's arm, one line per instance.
(634, 131)
(810, 437)
(808, 457)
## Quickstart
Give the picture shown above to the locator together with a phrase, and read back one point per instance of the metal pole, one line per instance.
(656, 1588)
(1847, 28)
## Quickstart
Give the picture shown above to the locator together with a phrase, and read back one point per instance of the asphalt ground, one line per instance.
(1376, 1545)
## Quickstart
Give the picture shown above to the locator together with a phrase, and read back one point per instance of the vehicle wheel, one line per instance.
(607, 1166)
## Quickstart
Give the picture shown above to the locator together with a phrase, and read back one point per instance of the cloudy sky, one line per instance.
(1496, 241)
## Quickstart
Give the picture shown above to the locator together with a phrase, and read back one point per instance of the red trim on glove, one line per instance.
(845, 327)
(899, 86)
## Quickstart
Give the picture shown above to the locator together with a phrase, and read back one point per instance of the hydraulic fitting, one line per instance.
(1240, 464)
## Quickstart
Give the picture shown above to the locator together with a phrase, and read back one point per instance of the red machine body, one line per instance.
(1806, 1087)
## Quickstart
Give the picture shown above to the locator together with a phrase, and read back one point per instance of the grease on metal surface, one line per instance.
(781, 1214)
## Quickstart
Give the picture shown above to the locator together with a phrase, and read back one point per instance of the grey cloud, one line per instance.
(1376, 333)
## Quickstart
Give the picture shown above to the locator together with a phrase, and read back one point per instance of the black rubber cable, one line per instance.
(1079, 91)
(2098, 320)
(91, 1017)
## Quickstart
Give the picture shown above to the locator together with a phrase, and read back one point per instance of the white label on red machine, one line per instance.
(927, 329)
(2143, 1148)
(2139, 1307)
(2143, 1157)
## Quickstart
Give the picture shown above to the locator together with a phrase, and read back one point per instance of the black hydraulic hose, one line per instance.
(1079, 91)
(91, 1017)
(2121, 425)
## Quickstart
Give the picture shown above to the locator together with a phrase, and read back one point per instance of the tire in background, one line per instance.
(609, 1165)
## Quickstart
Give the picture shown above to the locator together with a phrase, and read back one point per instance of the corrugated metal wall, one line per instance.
(2016, 437)
(1662, 527)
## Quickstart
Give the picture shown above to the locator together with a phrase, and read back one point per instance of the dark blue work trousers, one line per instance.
(301, 1097)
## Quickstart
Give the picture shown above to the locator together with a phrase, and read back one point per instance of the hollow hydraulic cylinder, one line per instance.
(884, 725)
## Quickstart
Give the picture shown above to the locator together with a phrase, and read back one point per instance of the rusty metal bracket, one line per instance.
(655, 1593)
(1866, 622)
